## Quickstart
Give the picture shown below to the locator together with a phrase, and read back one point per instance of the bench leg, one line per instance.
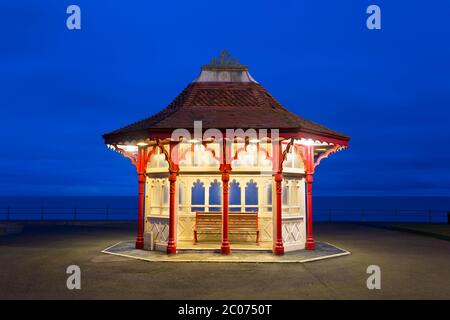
(257, 237)
(195, 237)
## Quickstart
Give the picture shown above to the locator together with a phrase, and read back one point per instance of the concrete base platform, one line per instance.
(214, 247)
(323, 251)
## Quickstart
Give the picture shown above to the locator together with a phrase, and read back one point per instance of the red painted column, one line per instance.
(173, 172)
(279, 247)
(171, 245)
(309, 180)
(141, 188)
(277, 160)
(225, 248)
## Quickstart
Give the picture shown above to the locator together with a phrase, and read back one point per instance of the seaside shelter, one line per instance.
(225, 166)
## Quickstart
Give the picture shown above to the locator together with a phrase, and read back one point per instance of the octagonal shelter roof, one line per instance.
(224, 96)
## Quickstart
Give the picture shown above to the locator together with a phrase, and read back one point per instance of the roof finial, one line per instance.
(224, 61)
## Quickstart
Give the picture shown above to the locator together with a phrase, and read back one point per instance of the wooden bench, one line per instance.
(238, 223)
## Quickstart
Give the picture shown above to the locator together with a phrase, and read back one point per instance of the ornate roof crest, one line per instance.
(224, 61)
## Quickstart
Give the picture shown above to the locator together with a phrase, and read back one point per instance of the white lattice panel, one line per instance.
(265, 228)
(160, 229)
(186, 228)
(293, 231)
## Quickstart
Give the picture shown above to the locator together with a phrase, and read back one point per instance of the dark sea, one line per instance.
(407, 209)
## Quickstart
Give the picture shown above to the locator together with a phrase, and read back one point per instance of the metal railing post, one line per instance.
(396, 215)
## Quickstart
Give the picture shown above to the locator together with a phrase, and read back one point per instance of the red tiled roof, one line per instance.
(221, 105)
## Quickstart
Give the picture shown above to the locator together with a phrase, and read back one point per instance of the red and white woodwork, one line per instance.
(286, 231)
(279, 156)
(172, 159)
(225, 169)
(309, 171)
(140, 161)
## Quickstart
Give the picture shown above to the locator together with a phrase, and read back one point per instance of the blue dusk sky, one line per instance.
(388, 89)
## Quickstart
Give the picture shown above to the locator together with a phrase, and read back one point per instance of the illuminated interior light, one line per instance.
(128, 148)
(252, 148)
(307, 142)
(289, 157)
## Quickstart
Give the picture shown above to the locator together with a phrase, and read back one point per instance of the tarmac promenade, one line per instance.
(33, 265)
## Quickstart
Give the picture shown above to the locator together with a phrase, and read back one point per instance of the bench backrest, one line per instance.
(236, 220)
(243, 220)
(208, 220)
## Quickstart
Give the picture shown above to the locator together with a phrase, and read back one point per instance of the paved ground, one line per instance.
(33, 264)
(440, 231)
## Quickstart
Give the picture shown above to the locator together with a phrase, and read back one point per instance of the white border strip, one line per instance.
(105, 250)
(345, 253)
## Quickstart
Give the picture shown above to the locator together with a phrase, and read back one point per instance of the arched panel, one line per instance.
(165, 192)
(251, 196)
(161, 158)
(285, 193)
(268, 195)
(215, 196)
(235, 196)
(198, 196)
(204, 156)
(181, 195)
